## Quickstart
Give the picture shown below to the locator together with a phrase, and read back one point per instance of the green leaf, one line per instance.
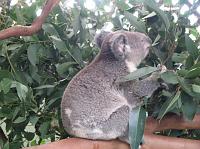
(182, 72)
(76, 22)
(16, 111)
(137, 119)
(189, 107)
(168, 2)
(156, 40)
(189, 62)
(193, 73)
(191, 47)
(63, 68)
(19, 15)
(59, 44)
(34, 120)
(122, 5)
(21, 90)
(186, 86)
(151, 4)
(44, 86)
(138, 74)
(6, 85)
(5, 74)
(169, 77)
(179, 57)
(196, 88)
(6, 145)
(19, 120)
(44, 128)
(29, 135)
(168, 105)
(139, 25)
(14, 46)
(49, 28)
(32, 53)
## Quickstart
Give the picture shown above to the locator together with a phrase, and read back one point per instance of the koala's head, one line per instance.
(131, 47)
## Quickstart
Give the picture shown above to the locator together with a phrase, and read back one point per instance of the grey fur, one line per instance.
(94, 106)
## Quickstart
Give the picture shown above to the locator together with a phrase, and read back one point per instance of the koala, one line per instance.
(94, 104)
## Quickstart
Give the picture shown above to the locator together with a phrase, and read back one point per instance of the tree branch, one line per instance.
(172, 122)
(77, 143)
(164, 142)
(151, 141)
(35, 26)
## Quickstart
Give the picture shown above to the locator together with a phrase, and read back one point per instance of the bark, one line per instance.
(151, 141)
(171, 122)
(35, 26)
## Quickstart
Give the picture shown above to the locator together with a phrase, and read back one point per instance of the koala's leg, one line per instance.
(114, 127)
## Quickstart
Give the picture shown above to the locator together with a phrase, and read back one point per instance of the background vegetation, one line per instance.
(35, 70)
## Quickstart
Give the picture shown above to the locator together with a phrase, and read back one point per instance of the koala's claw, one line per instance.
(162, 68)
(164, 86)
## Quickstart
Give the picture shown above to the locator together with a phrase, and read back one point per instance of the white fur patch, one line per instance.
(131, 66)
(128, 48)
(97, 130)
(68, 112)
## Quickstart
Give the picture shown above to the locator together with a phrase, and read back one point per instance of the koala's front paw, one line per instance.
(161, 68)
(156, 75)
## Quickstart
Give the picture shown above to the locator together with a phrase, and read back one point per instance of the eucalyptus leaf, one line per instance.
(49, 28)
(186, 86)
(179, 57)
(32, 53)
(44, 86)
(59, 44)
(63, 68)
(137, 119)
(189, 107)
(44, 128)
(138, 74)
(19, 120)
(169, 77)
(168, 105)
(21, 90)
(77, 23)
(193, 73)
(196, 88)
(191, 47)
(139, 25)
(5, 85)
(151, 4)
(121, 5)
(29, 136)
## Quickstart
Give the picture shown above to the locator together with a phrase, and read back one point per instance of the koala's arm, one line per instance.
(146, 87)
(134, 91)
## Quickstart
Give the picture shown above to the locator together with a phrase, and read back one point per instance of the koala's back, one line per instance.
(92, 108)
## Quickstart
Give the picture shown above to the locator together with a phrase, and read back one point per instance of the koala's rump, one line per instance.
(94, 113)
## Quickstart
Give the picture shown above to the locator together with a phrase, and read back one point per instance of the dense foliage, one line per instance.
(35, 70)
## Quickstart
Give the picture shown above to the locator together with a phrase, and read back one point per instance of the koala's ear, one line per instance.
(99, 38)
(118, 44)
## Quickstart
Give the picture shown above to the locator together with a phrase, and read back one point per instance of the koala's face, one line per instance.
(136, 46)
(131, 47)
